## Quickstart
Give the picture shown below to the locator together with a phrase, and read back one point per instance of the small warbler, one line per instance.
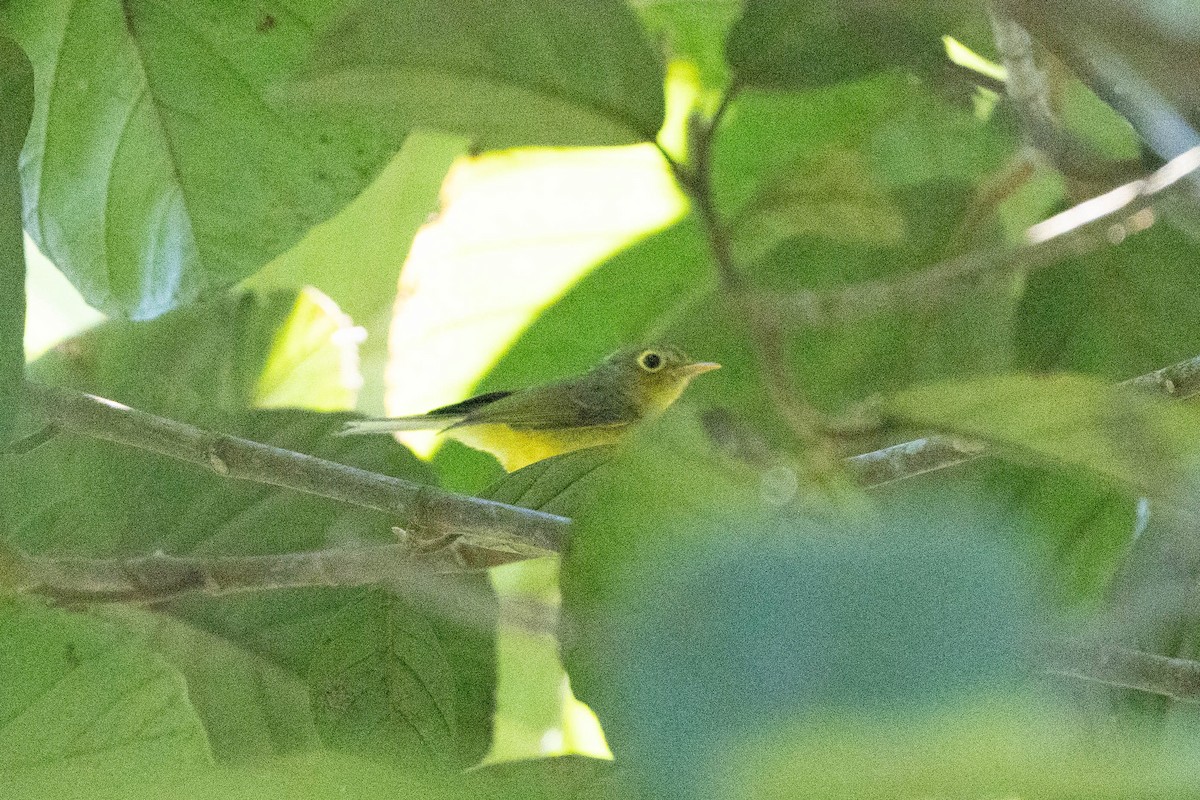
(528, 425)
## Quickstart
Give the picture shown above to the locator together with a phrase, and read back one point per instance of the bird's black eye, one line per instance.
(650, 361)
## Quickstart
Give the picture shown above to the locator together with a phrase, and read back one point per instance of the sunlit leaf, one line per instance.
(355, 257)
(313, 361)
(693, 32)
(168, 173)
(517, 230)
(509, 73)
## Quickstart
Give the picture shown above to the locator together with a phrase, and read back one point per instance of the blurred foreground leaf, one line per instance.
(704, 607)
(561, 778)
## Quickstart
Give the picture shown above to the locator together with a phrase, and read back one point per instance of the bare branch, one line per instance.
(1179, 381)
(159, 577)
(1176, 678)
(1083, 228)
(426, 512)
(695, 178)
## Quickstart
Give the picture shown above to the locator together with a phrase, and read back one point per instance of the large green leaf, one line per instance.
(508, 73)
(251, 709)
(693, 32)
(1119, 312)
(75, 495)
(393, 682)
(169, 173)
(16, 98)
(784, 45)
(83, 701)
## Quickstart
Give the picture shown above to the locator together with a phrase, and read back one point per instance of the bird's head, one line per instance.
(655, 375)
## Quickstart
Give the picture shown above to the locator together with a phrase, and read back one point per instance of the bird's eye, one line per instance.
(650, 361)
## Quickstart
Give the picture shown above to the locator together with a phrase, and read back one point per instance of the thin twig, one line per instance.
(425, 512)
(1176, 678)
(695, 178)
(1179, 381)
(1088, 226)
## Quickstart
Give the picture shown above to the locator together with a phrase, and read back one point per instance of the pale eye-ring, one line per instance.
(650, 361)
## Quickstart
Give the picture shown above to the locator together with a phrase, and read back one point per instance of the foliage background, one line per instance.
(267, 215)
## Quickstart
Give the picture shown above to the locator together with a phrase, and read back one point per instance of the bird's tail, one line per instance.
(419, 422)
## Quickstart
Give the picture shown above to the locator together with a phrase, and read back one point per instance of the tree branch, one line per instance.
(1179, 381)
(695, 178)
(508, 532)
(158, 577)
(1176, 678)
(425, 512)
(1083, 228)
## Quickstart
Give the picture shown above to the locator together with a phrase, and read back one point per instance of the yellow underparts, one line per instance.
(517, 447)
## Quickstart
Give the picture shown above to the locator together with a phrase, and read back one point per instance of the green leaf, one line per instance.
(16, 98)
(828, 194)
(556, 485)
(1140, 441)
(706, 609)
(355, 257)
(251, 709)
(73, 495)
(1119, 312)
(693, 32)
(83, 701)
(783, 45)
(316, 776)
(385, 681)
(562, 778)
(169, 174)
(508, 73)
(907, 135)
(307, 776)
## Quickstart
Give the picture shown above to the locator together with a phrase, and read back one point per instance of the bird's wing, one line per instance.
(567, 404)
(444, 417)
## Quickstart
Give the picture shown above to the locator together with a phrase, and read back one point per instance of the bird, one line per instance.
(527, 425)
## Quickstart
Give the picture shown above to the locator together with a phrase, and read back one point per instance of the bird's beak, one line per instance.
(694, 369)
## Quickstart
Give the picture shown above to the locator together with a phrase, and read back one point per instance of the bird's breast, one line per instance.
(516, 448)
